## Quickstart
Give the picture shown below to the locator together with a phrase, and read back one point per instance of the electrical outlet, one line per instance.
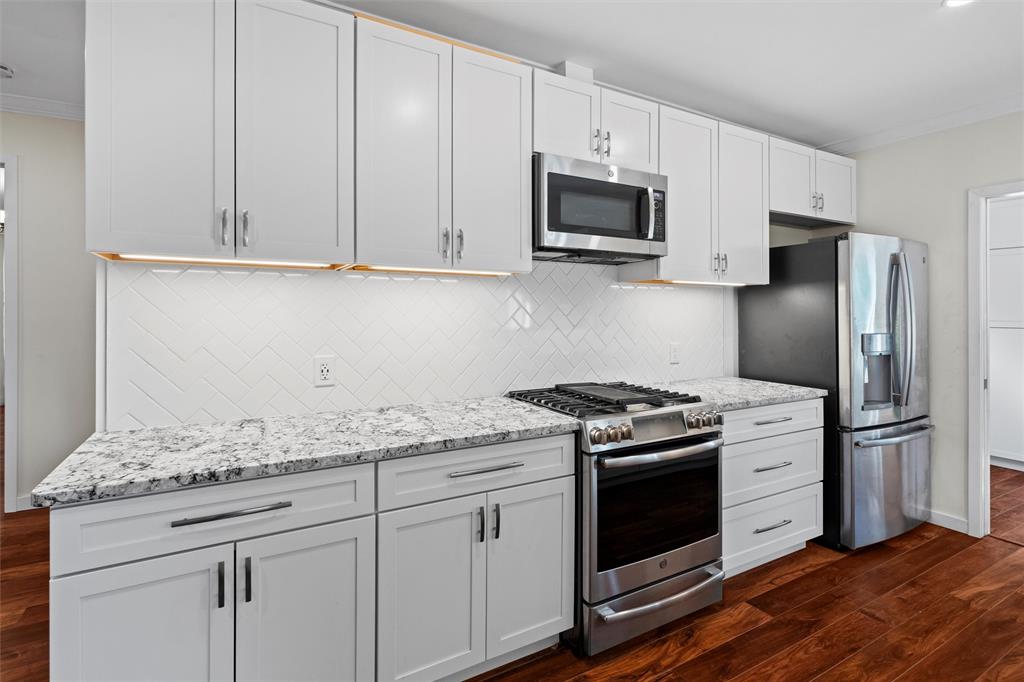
(323, 367)
(673, 353)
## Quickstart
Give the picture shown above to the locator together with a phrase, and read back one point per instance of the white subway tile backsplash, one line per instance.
(199, 344)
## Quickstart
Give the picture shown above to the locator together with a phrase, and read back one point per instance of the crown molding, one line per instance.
(38, 106)
(954, 119)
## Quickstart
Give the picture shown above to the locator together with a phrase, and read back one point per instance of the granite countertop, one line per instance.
(119, 463)
(733, 393)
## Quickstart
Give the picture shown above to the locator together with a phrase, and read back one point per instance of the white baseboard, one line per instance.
(957, 523)
(1006, 463)
(730, 571)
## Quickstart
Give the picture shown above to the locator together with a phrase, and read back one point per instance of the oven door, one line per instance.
(650, 513)
(582, 205)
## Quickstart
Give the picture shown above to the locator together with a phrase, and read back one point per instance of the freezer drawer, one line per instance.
(886, 481)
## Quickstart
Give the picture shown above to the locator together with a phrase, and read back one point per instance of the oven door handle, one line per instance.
(656, 457)
(610, 616)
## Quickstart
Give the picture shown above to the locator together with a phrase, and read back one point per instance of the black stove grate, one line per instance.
(588, 399)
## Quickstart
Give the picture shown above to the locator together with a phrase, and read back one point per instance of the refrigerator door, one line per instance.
(886, 482)
(882, 291)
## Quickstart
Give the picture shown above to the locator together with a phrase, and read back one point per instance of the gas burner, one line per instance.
(584, 400)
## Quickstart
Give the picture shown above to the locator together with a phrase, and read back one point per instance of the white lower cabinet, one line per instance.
(163, 619)
(465, 580)
(305, 604)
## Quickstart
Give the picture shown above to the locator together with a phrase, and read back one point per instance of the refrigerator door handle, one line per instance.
(895, 440)
(901, 291)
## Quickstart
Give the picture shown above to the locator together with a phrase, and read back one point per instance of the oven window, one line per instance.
(587, 206)
(649, 510)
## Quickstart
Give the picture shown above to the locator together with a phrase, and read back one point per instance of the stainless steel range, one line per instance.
(650, 512)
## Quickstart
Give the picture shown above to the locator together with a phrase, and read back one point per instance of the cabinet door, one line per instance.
(159, 127)
(566, 116)
(305, 604)
(629, 126)
(295, 131)
(837, 185)
(170, 618)
(689, 157)
(792, 178)
(530, 560)
(491, 182)
(742, 204)
(403, 147)
(431, 590)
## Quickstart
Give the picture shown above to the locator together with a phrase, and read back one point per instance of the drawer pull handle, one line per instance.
(770, 467)
(230, 515)
(486, 470)
(780, 524)
(777, 420)
(220, 584)
(248, 578)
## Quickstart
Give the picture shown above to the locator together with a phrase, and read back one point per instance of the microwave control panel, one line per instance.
(659, 216)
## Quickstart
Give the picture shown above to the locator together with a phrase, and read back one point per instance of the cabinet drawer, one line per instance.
(105, 533)
(427, 478)
(771, 420)
(759, 529)
(758, 468)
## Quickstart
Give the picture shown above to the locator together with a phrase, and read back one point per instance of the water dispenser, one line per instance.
(877, 350)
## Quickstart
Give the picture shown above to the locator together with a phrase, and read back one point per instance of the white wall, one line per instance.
(56, 293)
(189, 345)
(917, 189)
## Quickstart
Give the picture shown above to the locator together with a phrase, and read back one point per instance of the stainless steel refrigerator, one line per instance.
(850, 314)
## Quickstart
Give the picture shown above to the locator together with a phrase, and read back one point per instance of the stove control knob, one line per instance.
(627, 431)
(709, 419)
(719, 418)
(614, 434)
(693, 420)
(598, 436)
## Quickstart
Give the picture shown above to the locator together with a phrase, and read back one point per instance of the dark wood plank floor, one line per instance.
(24, 590)
(930, 605)
(1007, 488)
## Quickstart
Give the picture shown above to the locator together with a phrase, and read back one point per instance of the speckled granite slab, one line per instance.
(733, 393)
(118, 463)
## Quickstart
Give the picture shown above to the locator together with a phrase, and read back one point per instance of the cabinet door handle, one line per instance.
(725, 263)
(497, 520)
(483, 522)
(224, 226)
(771, 467)
(446, 238)
(220, 584)
(780, 524)
(486, 470)
(461, 243)
(607, 144)
(245, 227)
(821, 202)
(777, 420)
(716, 260)
(597, 141)
(248, 578)
(230, 514)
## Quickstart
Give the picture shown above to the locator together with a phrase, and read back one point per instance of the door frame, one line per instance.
(978, 493)
(10, 337)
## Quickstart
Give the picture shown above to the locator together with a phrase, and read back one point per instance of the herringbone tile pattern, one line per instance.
(199, 344)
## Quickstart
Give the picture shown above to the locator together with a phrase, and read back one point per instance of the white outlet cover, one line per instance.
(323, 370)
(673, 353)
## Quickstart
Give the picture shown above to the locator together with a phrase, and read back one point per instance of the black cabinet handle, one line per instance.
(220, 584)
(248, 579)
(497, 521)
(230, 514)
(483, 522)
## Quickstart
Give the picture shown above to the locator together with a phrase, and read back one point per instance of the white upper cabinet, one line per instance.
(491, 172)
(810, 187)
(566, 116)
(742, 205)
(159, 127)
(629, 131)
(837, 187)
(403, 148)
(304, 604)
(295, 69)
(584, 121)
(170, 618)
(792, 179)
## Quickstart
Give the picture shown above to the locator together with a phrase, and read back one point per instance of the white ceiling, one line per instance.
(841, 74)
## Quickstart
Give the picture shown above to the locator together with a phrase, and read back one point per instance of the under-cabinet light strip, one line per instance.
(429, 271)
(190, 260)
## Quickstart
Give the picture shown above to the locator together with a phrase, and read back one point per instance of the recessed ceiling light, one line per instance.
(956, 3)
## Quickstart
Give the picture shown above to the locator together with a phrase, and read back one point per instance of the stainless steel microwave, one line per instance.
(587, 212)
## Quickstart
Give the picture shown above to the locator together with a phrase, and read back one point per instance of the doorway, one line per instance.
(996, 361)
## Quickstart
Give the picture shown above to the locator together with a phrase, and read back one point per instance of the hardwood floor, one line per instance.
(24, 590)
(1007, 488)
(930, 605)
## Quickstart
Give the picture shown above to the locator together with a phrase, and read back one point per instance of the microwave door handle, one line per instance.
(650, 213)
